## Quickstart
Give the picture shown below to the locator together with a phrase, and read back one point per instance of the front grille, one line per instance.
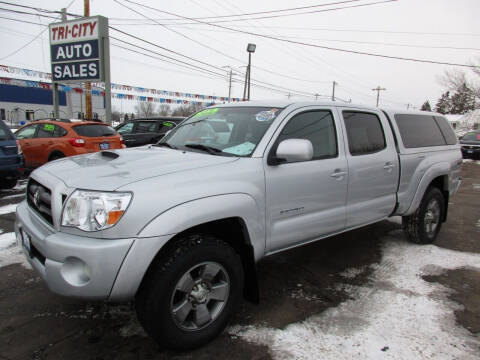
(471, 147)
(39, 198)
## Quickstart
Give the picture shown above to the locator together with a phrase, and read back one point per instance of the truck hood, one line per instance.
(109, 170)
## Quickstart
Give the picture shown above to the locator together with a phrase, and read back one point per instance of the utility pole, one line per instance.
(289, 96)
(88, 86)
(333, 90)
(378, 89)
(316, 96)
(230, 85)
(245, 84)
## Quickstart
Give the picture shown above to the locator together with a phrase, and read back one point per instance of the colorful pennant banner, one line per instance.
(176, 95)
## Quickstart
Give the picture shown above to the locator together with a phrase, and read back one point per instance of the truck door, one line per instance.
(372, 166)
(306, 200)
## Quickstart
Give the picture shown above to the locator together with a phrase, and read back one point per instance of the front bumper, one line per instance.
(470, 151)
(71, 265)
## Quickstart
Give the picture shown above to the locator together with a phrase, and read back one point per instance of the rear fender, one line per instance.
(436, 170)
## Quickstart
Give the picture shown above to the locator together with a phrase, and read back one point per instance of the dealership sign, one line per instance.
(76, 49)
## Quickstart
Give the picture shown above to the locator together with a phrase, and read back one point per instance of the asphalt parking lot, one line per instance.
(361, 295)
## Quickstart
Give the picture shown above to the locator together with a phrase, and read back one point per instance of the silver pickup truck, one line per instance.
(179, 226)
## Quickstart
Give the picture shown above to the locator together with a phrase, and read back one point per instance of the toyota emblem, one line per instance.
(36, 198)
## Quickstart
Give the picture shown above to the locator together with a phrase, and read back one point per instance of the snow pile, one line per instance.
(397, 315)
(10, 208)
(10, 253)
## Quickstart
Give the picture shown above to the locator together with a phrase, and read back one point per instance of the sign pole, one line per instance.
(88, 85)
(106, 71)
(56, 102)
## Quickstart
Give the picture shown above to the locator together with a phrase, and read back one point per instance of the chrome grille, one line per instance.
(39, 198)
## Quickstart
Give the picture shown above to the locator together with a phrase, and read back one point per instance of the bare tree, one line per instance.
(187, 110)
(145, 108)
(164, 110)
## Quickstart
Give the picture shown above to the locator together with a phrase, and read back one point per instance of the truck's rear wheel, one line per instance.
(423, 225)
(188, 296)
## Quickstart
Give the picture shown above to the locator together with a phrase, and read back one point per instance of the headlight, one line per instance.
(94, 210)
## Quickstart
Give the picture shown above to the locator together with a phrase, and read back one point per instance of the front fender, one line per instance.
(200, 211)
(436, 170)
(184, 216)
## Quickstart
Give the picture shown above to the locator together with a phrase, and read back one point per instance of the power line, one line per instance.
(26, 13)
(258, 12)
(23, 21)
(35, 38)
(309, 44)
(282, 15)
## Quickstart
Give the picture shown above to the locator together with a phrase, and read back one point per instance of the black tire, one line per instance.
(415, 225)
(8, 183)
(155, 298)
(55, 156)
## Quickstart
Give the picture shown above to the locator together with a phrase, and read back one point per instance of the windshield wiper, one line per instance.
(165, 144)
(210, 149)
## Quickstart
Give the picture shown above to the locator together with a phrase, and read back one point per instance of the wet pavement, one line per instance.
(296, 286)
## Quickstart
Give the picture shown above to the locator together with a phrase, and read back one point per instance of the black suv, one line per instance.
(145, 131)
(471, 144)
(11, 158)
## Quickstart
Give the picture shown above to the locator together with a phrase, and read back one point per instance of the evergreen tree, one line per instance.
(463, 100)
(444, 104)
(426, 106)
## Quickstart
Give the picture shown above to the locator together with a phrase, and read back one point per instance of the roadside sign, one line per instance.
(77, 51)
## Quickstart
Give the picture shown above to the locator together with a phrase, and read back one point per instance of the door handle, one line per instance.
(388, 166)
(338, 173)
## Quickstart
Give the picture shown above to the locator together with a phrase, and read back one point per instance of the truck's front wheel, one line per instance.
(423, 225)
(189, 294)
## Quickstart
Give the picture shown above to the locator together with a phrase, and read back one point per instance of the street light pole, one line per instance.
(251, 49)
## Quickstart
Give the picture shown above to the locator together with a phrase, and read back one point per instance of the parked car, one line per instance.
(470, 143)
(47, 140)
(138, 132)
(11, 159)
(179, 226)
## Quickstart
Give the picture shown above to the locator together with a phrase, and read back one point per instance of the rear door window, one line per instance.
(166, 126)
(364, 132)
(419, 130)
(146, 126)
(45, 131)
(94, 130)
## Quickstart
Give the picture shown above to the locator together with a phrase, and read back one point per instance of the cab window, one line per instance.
(45, 131)
(316, 126)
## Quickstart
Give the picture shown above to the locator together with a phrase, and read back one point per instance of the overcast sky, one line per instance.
(429, 25)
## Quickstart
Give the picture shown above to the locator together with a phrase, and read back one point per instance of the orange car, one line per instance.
(47, 140)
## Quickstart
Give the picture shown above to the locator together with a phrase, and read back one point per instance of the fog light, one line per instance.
(76, 272)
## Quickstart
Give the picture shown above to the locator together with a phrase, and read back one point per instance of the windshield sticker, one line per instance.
(206, 112)
(48, 127)
(266, 115)
(242, 149)
(167, 124)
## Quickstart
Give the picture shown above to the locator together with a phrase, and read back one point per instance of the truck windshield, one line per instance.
(223, 131)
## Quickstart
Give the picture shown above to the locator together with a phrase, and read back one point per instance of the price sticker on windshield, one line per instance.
(206, 112)
(49, 127)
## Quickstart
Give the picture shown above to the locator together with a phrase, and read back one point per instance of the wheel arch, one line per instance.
(234, 218)
(54, 153)
(437, 176)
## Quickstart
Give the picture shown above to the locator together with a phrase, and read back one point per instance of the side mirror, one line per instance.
(294, 150)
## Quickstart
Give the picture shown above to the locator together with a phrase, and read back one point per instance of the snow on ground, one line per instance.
(10, 208)
(397, 315)
(10, 253)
